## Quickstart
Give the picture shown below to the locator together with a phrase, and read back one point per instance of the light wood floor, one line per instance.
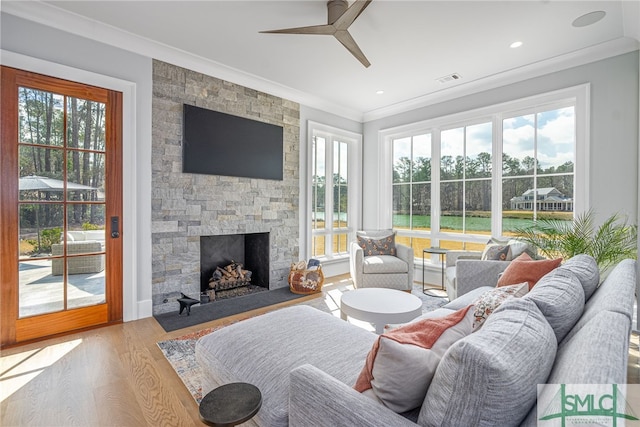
(112, 376)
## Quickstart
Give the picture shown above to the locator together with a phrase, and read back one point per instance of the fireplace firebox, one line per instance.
(251, 250)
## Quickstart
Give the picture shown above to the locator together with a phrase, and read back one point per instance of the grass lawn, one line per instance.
(477, 221)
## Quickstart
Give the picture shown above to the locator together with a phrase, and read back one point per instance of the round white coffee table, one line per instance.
(380, 306)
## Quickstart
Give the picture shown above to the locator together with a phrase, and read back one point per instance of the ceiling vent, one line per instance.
(449, 78)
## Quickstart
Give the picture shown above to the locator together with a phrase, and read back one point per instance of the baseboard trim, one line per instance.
(145, 309)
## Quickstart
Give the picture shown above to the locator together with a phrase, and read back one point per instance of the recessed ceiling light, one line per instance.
(515, 44)
(588, 18)
(379, 92)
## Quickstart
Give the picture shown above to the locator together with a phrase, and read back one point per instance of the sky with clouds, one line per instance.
(555, 139)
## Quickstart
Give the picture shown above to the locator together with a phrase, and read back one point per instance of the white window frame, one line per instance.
(578, 96)
(354, 186)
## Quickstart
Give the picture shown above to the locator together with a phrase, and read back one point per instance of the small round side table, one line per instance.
(441, 253)
(230, 404)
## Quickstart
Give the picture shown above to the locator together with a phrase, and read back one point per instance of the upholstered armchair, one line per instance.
(383, 264)
(468, 270)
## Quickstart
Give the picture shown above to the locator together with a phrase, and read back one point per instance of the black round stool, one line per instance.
(230, 404)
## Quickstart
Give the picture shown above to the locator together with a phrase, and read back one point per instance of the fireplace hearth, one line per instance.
(233, 261)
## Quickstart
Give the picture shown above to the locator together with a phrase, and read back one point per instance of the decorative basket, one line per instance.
(305, 281)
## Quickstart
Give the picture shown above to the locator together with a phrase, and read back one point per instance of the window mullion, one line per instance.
(464, 180)
(496, 176)
(328, 196)
(411, 160)
(435, 186)
(535, 166)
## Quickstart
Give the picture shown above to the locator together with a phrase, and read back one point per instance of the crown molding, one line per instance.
(547, 66)
(63, 20)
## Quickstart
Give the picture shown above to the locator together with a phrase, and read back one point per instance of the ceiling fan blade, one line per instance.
(313, 29)
(338, 29)
(347, 41)
(350, 15)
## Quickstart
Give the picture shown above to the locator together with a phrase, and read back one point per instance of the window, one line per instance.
(465, 179)
(456, 180)
(412, 188)
(538, 157)
(335, 185)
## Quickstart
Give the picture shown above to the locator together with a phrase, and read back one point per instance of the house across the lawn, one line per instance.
(548, 199)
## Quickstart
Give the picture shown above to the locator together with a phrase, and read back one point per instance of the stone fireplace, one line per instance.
(187, 208)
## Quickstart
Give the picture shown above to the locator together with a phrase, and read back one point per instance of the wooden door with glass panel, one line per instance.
(61, 206)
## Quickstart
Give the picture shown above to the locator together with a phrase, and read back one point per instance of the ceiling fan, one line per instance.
(340, 17)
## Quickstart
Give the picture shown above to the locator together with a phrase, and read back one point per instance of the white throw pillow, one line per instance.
(518, 247)
(490, 300)
(402, 363)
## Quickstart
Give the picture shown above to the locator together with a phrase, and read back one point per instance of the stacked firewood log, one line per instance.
(229, 277)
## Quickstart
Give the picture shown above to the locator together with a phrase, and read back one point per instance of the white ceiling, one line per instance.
(410, 44)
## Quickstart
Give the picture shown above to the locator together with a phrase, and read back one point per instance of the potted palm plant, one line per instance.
(608, 243)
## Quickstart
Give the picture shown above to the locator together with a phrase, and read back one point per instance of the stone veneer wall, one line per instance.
(187, 206)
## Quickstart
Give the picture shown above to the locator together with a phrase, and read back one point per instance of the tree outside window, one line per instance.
(465, 179)
(412, 189)
(484, 184)
(538, 155)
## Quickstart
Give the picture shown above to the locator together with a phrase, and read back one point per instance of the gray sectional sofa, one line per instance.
(567, 329)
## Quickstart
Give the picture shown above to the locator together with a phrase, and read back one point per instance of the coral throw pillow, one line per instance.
(526, 269)
(402, 362)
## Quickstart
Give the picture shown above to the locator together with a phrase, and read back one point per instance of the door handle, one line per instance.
(115, 227)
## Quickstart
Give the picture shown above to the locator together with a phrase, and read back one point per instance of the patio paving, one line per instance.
(41, 292)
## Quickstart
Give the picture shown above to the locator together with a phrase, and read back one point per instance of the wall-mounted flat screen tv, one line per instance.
(216, 143)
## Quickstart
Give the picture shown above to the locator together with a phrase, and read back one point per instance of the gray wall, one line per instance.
(613, 181)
